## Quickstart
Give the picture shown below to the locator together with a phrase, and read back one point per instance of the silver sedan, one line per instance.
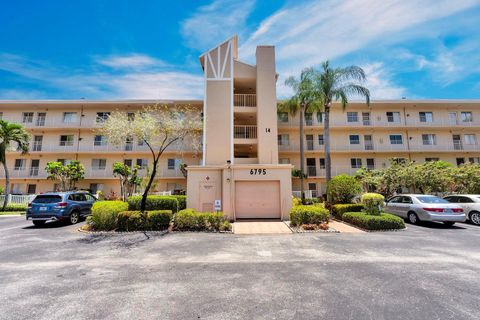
(421, 207)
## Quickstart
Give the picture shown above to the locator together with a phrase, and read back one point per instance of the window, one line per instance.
(470, 139)
(308, 119)
(311, 167)
(95, 187)
(142, 163)
(426, 116)
(393, 117)
(102, 117)
(64, 162)
(17, 188)
(452, 118)
(27, 117)
(41, 116)
(130, 116)
(366, 118)
(371, 163)
(356, 163)
(100, 140)
(460, 161)
(321, 162)
(31, 188)
(354, 139)
(34, 167)
(396, 139)
(429, 139)
(431, 159)
(400, 160)
(171, 164)
(474, 160)
(66, 141)
(37, 143)
(284, 161)
(368, 141)
(69, 117)
(128, 163)
(282, 117)
(283, 139)
(352, 116)
(466, 116)
(320, 140)
(19, 164)
(320, 117)
(99, 164)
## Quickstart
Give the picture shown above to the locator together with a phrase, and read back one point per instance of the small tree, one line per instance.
(158, 127)
(342, 189)
(373, 203)
(68, 175)
(128, 178)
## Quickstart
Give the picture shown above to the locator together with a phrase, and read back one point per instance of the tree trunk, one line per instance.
(326, 138)
(302, 153)
(7, 186)
(147, 188)
(122, 189)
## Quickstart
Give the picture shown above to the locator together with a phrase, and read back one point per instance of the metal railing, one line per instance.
(18, 199)
(245, 132)
(244, 100)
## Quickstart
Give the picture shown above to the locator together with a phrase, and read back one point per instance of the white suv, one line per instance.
(470, 204)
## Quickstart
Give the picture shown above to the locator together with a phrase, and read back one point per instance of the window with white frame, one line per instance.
(429, 139)
(19, 164)
(474, 159)
(431, 159)
(321, 162)
(64, 162)
(171, 164)
(283, 139)
(142, 163)
(282, 117)
(320, 117)
(27, 117)
(466, 116)
(66, 140)
(321, 141)
(370, 163)
(69, 117)
(102, 117)
(99, 164)
(308, 118)
(396, 139)
(356, 163)
(470, 139)
(128, 163)
(354, 139)
(352, 116)
(284, 160)
(393, 117)
(426, 116)
(100, 140)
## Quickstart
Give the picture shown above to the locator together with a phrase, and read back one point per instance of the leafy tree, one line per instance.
(11, 133)
(305, 98)
(68, 175)
(337, 84)
(465, 179)
(128, 178)
(370, 179)
(158, 127)
(342, 189)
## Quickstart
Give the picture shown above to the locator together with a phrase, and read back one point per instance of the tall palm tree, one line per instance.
(11, 132)
(338, 84)
(305, 98)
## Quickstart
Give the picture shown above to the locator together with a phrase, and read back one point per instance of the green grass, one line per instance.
(4, 213)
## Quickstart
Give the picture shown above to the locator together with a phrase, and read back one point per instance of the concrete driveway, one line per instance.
(426, 272)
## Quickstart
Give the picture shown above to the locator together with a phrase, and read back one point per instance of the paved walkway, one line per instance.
(342, 227)
(260, 227)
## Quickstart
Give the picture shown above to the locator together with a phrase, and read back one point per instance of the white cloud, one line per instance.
(379, 82)
(156, 83)
(216, 22)
(129, 61)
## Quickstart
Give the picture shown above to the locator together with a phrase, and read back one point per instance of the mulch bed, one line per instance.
(299, 229)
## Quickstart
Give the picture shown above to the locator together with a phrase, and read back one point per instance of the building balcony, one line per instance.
(244, 133)
(246, 160)
(312, 146)
(245, 100)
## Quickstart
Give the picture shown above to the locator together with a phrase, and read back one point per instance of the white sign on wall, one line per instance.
(218, 205)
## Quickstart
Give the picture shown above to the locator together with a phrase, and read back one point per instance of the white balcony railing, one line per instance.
(244, 100)
(245, 132)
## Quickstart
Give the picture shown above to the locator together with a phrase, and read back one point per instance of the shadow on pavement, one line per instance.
(439, 225)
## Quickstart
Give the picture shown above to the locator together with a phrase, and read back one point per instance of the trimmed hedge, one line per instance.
(384, 221)
(14, 207)
(133, 220)
(182, 202)
(104, 214)
(154, 203)
(373, 203)
(339, 209)
(191, 220)
(308, 215)
(342, 189)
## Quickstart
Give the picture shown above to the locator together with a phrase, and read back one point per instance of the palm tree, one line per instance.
(11, 132)
(338, 84)
(305, 98)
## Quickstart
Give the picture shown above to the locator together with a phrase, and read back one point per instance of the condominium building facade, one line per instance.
(249, 149)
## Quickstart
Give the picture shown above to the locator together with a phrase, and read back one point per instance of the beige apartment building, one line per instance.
(249, 149)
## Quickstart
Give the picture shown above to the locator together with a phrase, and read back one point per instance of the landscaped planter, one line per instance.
(301, 229)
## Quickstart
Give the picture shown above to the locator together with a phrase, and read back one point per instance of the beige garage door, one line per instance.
(257, 199)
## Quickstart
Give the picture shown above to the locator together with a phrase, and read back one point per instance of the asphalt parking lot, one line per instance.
(55, 272)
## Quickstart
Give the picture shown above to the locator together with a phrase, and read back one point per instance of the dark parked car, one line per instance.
(60, 206)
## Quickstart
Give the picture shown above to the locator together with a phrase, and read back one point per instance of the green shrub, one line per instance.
(191, 220)
(373, 203)
(342, 189)
(339, 209)
(384, 221)
(308, 215)
(159, 219)
(154, 203)
(104, 214)
(182, 202)
(14, 207)
(129, 221)
(296, 201)
(311, 201)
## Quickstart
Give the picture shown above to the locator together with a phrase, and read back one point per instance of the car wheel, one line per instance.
(475, 217)
(448, 223)
(38, 223)
(413, 218)
(74, 217)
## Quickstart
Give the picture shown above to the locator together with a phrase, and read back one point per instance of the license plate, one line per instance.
(43, 209)
(448, 210)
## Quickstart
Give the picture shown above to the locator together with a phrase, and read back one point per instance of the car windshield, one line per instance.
(430, 199)
(47, 199)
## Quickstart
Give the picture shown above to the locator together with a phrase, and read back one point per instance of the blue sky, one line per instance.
(149, 49)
